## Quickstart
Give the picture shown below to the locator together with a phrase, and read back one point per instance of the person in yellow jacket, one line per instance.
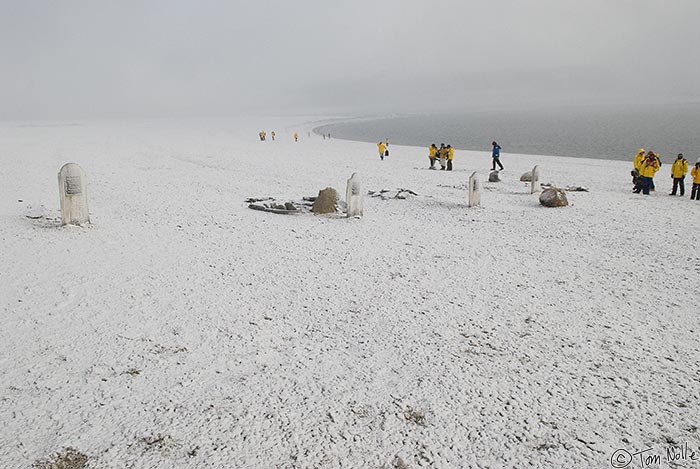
(678, 171)
(432, 155)
(450, 157)
(646, 172)
(382, 150)
(442, 156)
(639, 159)
(637, 163)
(296, 137)
(695, 173)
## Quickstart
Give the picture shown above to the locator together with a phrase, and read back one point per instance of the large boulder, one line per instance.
(553, 197)
(526, 177)
(493, 177)
(326, 202)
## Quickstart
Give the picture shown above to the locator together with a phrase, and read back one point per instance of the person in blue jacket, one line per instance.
(496, 155)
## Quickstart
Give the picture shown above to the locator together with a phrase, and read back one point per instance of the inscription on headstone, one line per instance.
(535, 182)
(353, 196)
(474, 191)
(72, 187)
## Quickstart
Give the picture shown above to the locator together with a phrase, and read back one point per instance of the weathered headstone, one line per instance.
(72, 187)
(326, 202)
(353, 196)
(535, 183)
(474, 191)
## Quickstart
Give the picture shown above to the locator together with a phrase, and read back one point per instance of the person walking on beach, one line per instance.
(272, 134)
(450, 157)
(432, 155)
(646, 173)
(695, 173)
(382, 150)
(496, 155)
(296, 137)
(678, 172)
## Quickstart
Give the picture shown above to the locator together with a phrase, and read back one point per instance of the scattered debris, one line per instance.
(415, 416)
(274, 207)
(68, 458)
(547, 185)
(252, 200)
(386, 194)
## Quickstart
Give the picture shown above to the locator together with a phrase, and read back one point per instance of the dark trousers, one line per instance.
(646, 184)
(449, 165)
(432, 162)
(695, 193)
(676, 183)
(496, 161)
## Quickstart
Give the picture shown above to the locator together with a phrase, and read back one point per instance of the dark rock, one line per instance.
(553, 197)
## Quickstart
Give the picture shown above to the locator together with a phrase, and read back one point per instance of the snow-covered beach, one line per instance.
(182, 329)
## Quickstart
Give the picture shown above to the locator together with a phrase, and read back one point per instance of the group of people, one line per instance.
(263, 135)
(444, 155)
(647, 164)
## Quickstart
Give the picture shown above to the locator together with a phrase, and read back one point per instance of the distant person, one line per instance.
(296, 137)
(386, 141)
(272, 134)
(646, 172)
(678, 172)
(442, 156)
(496, 156)
(432, 155)
(695, 173)
(260, 135)
(382, 150)
(329, 135)
(450, 157)
(658, 161)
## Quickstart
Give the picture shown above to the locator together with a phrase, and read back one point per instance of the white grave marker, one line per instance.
(474, 191)
(353, 196)
(535, 182)
(72, 187)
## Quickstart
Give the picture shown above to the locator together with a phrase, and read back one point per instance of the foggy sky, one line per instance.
(138, 58)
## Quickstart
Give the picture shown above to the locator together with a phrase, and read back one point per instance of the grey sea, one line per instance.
(590, 132)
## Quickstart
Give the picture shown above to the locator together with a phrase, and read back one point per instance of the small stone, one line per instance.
(493, 177)
(526, 177)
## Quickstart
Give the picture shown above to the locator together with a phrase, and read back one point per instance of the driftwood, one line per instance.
(384, 193)
(275, 209)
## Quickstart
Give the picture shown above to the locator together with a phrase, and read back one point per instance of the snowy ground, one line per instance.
(184, 330)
